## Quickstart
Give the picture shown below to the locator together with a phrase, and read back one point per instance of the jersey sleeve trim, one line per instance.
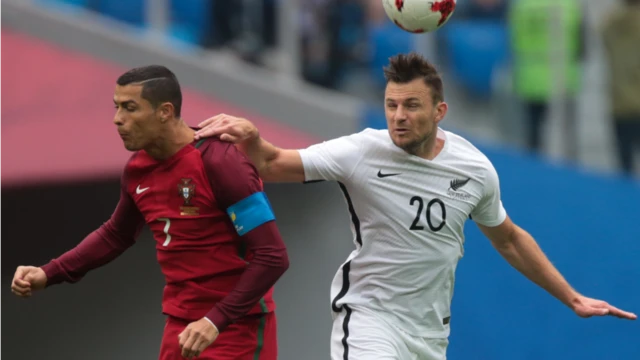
(502, 216)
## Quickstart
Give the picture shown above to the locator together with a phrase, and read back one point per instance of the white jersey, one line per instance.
(408, 215)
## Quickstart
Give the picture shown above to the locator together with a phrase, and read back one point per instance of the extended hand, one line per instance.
(196, 337)
(27, 279)
(587, 307)
(228, 128)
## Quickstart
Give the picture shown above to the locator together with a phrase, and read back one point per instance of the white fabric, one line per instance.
(403, 273)
(371, 338)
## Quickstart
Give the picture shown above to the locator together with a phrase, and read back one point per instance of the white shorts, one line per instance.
(359, 334)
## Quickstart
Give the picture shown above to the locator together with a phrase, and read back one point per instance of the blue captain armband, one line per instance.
(251, 212)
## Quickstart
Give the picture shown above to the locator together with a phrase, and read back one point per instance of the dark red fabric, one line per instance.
(253, 337)
(209, 269)
(233, 178)
(101, 246)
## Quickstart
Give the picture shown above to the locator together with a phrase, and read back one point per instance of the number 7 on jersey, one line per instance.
(166, 230)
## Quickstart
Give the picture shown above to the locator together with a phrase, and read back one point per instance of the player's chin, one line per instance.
(131, 146)
(402, 141)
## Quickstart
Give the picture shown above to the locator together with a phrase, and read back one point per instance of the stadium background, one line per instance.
(61, 161)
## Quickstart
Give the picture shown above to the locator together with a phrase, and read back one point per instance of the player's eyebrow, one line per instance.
(125, 103)
(411, 99)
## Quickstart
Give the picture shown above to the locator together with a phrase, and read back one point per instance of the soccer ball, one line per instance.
(419, 16)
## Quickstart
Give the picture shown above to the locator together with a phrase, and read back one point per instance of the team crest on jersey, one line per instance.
(454, 189)
(187, 191)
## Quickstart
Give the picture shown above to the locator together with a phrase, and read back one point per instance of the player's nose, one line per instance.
(400, 114)
(118, 120)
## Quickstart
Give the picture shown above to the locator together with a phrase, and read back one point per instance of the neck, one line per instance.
(429, 148)
(174, 138)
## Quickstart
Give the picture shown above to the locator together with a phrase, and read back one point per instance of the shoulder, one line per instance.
(463, 148)
(371, 136)
(352, 144)
(213, 145)
(469, 156)
(215, 151)
(364, 139)
(224, 162)
(366, 136)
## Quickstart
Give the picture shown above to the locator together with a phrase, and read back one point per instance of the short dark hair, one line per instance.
(159, 85)
(404, 68)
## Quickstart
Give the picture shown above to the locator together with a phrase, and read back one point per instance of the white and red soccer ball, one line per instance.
(419, 16)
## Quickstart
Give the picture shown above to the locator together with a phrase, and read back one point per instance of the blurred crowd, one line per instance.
(338, 37)
(540, 44)
(621, 35)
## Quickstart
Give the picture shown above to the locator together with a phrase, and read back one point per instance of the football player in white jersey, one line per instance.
(410, 190)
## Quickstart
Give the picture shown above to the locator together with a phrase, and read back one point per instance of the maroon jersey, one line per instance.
(209, 269)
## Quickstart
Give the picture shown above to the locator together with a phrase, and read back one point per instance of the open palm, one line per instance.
(588, 307)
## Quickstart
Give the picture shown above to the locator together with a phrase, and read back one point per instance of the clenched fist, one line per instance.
(28, 279)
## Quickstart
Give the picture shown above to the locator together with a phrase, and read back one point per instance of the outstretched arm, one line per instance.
(523, 253)
(274, 164)
(101, 246)
(520, 249)
(332, 160)
(97, 249)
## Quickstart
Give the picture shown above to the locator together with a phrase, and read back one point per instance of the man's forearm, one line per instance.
(524, 254)
(97, 249)
(269, 262)
(263, 155)
(261, 152)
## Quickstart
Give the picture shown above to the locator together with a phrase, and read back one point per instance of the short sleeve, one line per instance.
(332, 160)
(489, 211)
